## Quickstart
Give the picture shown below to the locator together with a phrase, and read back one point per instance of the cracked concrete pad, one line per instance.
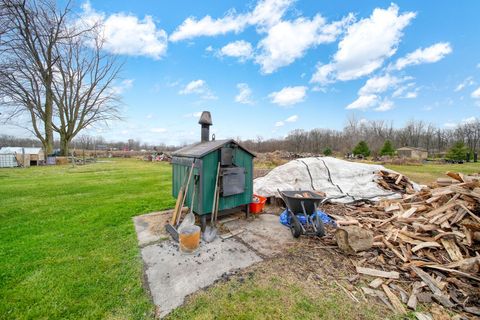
(172, 275)
(265, 234)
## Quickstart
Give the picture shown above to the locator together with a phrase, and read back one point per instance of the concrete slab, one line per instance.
(264, 234)
(172, 275)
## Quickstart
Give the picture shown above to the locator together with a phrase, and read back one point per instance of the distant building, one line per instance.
(412, 153)
(18, 156)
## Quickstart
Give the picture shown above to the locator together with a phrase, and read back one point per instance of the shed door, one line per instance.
(233, 181)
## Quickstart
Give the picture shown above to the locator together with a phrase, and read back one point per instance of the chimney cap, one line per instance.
(205, 118)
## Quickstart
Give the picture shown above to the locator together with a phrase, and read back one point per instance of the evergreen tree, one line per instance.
(361, 149)
(457, 152)
(327, 151)
(387, 149)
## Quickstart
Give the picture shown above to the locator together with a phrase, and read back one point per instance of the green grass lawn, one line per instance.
(427, 173)
(68, 248)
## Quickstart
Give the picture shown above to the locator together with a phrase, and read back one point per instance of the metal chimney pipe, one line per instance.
(206, 122)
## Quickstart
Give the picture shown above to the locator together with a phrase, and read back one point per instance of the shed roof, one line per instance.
(33, 150)
(200, 149)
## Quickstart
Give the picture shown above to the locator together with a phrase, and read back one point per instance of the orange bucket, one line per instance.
(256, 206)
(189, 239)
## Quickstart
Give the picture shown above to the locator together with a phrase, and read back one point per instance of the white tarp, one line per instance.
(337, 178)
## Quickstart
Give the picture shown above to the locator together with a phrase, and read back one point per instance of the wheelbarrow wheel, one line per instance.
(320, 227)
(295, 228)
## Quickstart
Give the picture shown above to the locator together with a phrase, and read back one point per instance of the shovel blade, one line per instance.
(172, 231)
(210, 234)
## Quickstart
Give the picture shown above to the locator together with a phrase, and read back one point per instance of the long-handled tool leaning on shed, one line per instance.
(177, 211)
(211, 231)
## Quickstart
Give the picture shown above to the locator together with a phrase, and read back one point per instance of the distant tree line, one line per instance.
(87, 142)
(375, 134)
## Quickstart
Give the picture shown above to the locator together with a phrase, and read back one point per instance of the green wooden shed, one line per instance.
(236, 173)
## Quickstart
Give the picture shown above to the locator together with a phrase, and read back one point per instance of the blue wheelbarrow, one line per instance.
(304, 203)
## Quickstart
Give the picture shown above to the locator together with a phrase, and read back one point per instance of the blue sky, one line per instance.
(264, 68)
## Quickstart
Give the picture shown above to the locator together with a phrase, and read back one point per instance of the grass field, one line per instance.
(68, 250)
(430, 172)
(68, 247)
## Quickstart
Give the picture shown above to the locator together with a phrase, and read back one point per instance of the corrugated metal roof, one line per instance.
(200, 149)
(5, 150)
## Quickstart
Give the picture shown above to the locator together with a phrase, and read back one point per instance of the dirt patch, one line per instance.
(157, 221)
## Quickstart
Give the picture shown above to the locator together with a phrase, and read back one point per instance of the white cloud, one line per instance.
(287, 41)
(244, 95)
(123, 86)
(238, 49)
(290, 119)
(385, 105)
(364, 102)
(400, 92)
(199, 87)
(449, 124)
(365, 46)
(193, 114)
(288, 95)
(265, 13)
(293, 118)
(465, 83)
(209, 49)
(127, 34)
(158, 130)
(149, 116)
(379, 84)
(430, 54)
(411, 95)
(476, 94)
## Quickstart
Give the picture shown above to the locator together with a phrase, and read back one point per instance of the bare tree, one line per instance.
(83, 88)
(31, 29)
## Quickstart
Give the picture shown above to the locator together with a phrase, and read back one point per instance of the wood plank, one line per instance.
(409, 212)
(232, 233)
(412, 300)
(378, 273)
(399, 308)
(377, 282)
(441, 209)
(431, 283)
(423, 245)
(470, 212)
(452, 249)
(400, 177)
(394, 250)
(461, 273)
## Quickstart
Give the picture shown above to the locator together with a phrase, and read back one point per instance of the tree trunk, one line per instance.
(64, 142)
(48, 117)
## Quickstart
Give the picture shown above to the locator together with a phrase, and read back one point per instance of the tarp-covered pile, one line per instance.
(344, 180)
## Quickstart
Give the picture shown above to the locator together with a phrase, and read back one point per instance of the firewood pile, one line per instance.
(395, 182)
(425, 245)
